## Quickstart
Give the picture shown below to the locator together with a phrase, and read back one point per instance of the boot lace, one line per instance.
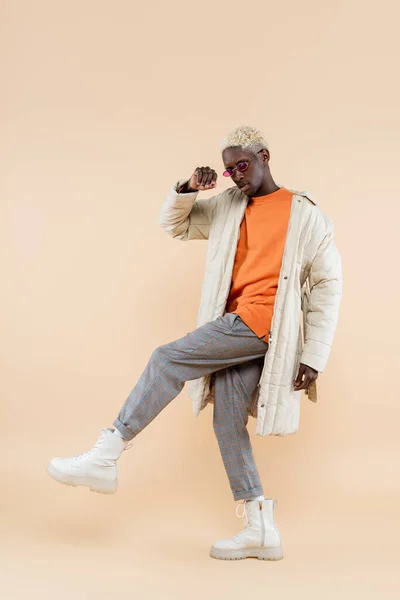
(97, 445)
(245, 513)
(247, 523)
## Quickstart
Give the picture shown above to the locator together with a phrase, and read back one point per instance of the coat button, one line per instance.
(285, 277)
(262, 405)
(299, 200)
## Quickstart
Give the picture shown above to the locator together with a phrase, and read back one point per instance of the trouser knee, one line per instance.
(161, 353)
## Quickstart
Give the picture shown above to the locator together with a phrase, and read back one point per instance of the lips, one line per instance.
(243, 186)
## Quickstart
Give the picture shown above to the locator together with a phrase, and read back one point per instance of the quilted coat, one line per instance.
(310, 281)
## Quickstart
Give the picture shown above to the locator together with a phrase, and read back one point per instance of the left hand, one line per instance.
(310, 375)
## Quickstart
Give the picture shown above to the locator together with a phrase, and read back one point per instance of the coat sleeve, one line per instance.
(323, 301)
(185, 218)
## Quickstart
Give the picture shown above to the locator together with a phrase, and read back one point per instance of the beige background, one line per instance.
(103, 106)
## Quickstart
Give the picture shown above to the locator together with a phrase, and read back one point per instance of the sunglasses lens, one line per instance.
(242, 166)
(227, 173)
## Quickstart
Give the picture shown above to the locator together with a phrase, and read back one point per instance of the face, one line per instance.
(253, 176)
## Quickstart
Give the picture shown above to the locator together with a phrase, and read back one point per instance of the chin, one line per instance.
(248, 191)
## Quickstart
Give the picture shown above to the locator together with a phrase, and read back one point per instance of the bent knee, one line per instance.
(160, 351)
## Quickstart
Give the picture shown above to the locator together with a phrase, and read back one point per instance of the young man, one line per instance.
(271, 254)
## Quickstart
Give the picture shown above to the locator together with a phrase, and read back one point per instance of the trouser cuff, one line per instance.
(127, 435)
(249, 494)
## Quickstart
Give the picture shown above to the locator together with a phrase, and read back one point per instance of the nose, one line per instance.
(237, 176)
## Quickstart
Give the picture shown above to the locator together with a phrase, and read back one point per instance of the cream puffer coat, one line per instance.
(310, 280)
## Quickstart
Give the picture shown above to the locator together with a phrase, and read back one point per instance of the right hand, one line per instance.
(203, 178)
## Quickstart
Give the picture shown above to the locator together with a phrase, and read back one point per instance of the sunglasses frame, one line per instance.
(242, 162)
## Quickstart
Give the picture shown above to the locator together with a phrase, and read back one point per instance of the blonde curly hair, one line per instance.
(246, 137)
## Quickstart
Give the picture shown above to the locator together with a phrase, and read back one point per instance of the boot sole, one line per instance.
(96, 485)
(238, 554)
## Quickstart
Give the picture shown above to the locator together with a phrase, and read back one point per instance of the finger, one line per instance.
(213, 178)
(204, 177)
(201, 177)
(210, 178)
(300, 385)
(299, 377)
(308, 379)
(208, 172)
(209, 175)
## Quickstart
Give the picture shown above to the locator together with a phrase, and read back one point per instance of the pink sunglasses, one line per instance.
(242, 166)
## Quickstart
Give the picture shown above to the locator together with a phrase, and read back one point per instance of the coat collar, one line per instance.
(305, 194)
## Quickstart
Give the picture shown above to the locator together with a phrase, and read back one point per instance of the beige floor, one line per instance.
(62, 542)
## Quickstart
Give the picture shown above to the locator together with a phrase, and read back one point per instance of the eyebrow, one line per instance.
(239, 161)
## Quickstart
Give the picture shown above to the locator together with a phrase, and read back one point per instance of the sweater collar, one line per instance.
(305, 194)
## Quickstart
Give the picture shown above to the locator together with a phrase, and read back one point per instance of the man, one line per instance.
(271, 254)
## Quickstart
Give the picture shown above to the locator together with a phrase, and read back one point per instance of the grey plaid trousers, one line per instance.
(228, 347)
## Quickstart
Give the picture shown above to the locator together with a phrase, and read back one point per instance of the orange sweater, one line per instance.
(258, 260)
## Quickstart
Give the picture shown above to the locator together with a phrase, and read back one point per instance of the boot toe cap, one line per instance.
(226, 544)
(58, 463)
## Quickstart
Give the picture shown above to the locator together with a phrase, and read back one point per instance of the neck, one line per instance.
(267, 187)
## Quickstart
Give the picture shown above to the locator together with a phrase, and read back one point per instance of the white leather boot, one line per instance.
(96, 468)
(260, 537)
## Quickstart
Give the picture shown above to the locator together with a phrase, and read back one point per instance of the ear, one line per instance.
(265, 156)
